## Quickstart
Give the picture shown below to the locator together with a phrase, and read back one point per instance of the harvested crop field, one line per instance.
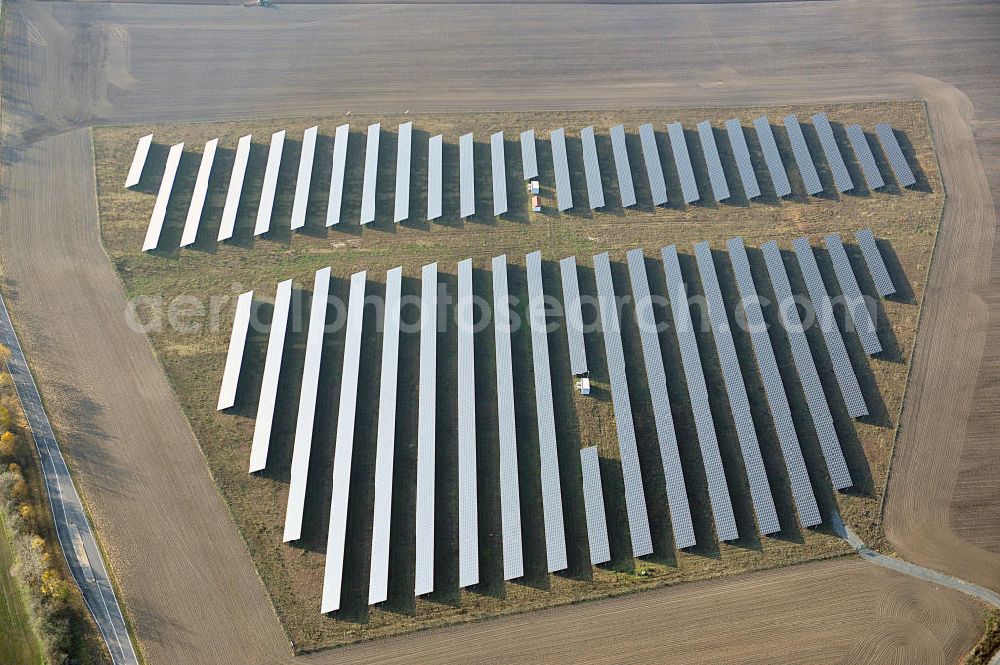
(193, 353)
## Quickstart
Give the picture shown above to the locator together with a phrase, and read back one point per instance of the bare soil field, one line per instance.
(193, 354)
(67, 66)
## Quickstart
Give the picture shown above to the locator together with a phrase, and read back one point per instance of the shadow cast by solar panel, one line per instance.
(152, 172)
(613, 482)
(529, 464)
(706, 196)
(884, 168)
(568, 441)
(737, 195)
(768, 192)
(904, 291)
(215, 200)
(577, 178)
(675, 194)
(482, 161)
(718, 400)
(822, 167)
(354, 178)
(609, 173)
(518, 196)
(168, 245)
(491, 581)
(850, 444)
(878, 414)
(252, 368)
(802, 419)
(253, 183)
(451, 192)
(419, 145)
(280, 230)
(318, 198)
(640, 177)
(854, 169)
(784, 143)
(760, 410)
(385, 183)
(546, 179)
(883, 326)
(922, 184)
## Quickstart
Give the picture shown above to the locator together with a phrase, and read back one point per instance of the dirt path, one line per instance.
(186, 578)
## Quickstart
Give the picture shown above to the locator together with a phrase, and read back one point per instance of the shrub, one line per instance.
(8, 444)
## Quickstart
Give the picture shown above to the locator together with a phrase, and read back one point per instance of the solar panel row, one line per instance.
(426, 428)
(716, 174)
(564, 192)
(138, 161)
(689, 186)
(857, 307)
(269, 385)
(894, 153)
(340, 141)
(434, 179)
(468, 528)
(499, 174)
(574, 316)
(774, 389)
(467, 178)
(510, 507)
(743, 162)
(401, 209)
(305, 420)
(552, 509)
(803, 158)
(841, 178)
(162, 198)
(193, 221)
(592, 168)
(371, 174)
(235, 191)
(876, 266)
(739, 403)
(635, 500)
(656, 379)
(304, 179)
(863, 151)
(823, 310)
(622, 166)
(270, 186)
(772, 157)
(593, 499)
(529, 159)
(718, 491)
(343, 451)
(654, 170)
(378, 581)
(819, 411)
(234, 357)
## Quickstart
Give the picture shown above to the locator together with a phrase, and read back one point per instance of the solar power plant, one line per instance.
(163, 198)
(193, 221)
(743, 162)
(510, 507)
(774, 389)
(234, 357)
(344, 448)
(499, 174)
(593, 500)
(595, 190)
(857, 307)
(564, 193)
(718, 492)
(656, 379)
(268, 189)
(716, 174)
(574, 316)
(302, 447)
(552, 509)
(823, 310)
(529, 159)
(819, 411)
(401, 211)
(426, 425)
(876, 266)
(138, 161)
(890, 146)
(467, 178)
(468, 527)
(340, 141)
(803, 158)
(622, 166)
(235, 191)
(863, 151)
(378, 581)
(689, 186)
(635, 499)
(841, 178)
(371, 174)
(772, 157)
(654, 170)
(304, 179)
(269, 385)
(739, 403)
(434, 181)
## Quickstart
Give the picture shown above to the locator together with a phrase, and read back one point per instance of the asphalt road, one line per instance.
(69, 66)
(72, 526)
